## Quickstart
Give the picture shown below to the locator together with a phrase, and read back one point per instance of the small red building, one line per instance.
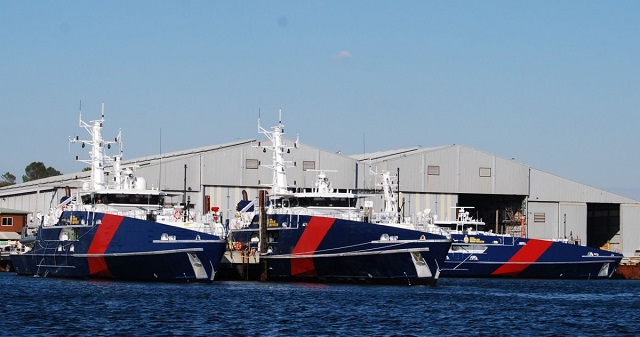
(12, 221)
(11, 224)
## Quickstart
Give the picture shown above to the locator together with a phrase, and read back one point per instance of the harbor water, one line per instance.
(36, 306)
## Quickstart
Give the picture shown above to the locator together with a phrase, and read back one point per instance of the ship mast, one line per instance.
(279, 181)
(98, 159)
(390, 201)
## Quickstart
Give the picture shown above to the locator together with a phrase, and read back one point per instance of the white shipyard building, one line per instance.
(509, 196)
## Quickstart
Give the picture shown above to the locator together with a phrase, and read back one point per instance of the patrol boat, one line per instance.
(117, 228)
(476, 252)
(320, 236)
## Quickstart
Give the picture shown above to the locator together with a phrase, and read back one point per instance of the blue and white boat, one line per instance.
(476, 252)
(321, 236)
(115, 227)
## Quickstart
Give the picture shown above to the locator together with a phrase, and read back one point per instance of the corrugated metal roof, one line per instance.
(510, 176)
(382, 154)
(12, 211)
(189, 151)
(75, 179)
(550, 187)
(391, 154)
(504, 171)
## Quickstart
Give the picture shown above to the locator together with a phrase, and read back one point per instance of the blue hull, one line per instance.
(98, 245)
(322, 249)
(481, 255)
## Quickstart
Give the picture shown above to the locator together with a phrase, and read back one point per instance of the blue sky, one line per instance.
(553, 84)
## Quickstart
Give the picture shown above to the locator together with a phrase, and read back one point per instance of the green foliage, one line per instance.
(37, 170)
(7, 179)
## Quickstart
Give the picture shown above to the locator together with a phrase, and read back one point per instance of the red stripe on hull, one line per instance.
(523, 258)
(303, 267)
(101, 240)
(308, 243)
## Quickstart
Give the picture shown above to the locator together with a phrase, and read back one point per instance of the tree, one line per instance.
(37, 170)
(7, 179)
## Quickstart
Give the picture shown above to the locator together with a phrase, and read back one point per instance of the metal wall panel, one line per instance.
(414, 173)
(339, 169)
(630, 231)
(367, 180)
(414, 203)
(548, 187)
(512, 178)
(442, 205)
(343, 169)
(221, 173)
(572, 221)
(411, 168)
(447, 160)
(36, 201)
(459, 170)
(173, 174)
(476, 171)
(43, 200)
(228, 166)
(152, 173)
(547, 229)
(300, 176)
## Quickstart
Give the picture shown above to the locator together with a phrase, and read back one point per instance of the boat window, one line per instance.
(285, 203)
(326, 202)
(124, 199)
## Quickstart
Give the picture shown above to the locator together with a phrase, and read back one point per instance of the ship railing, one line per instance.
(385, 217)
(345, 214)
(434, 229)
(349, 215)
(573, 241)
(630, 260)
